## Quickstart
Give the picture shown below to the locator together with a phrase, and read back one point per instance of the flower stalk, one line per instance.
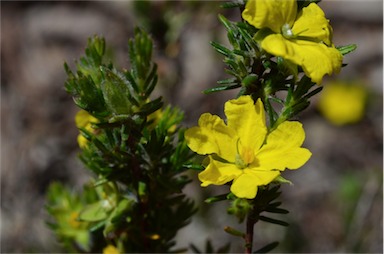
(250, 225)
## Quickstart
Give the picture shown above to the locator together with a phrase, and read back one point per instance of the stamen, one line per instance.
(248, 156)
(243, 159)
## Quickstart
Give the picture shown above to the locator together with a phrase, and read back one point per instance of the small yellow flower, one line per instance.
(242, 151)
(343, 103)
(84, 120)
(304, 38)
(110, 249)
(73, 222)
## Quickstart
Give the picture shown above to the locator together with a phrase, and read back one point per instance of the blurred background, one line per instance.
(336, 202)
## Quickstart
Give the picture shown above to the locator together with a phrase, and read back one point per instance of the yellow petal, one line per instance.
(245, 186)
(248, 120)
(212, 136)
(218, 173)
(270, 13)
(316, 59)
(311, 22)
(110, 249)
(282, 149)
(83, 118)
(82, 141)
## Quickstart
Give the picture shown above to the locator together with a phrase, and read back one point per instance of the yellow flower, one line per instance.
(84, 120)
(110, 249)
(242, 150)
(73, 222)
(343, 103)
(304, 38)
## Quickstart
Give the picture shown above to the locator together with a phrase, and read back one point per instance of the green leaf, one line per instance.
(347, 49)
(250, 80)
(221, 88)
(273, 221)
(93, 212)
(85, 93)
(233, 231)
(275, 204)
(83, 239)
(244, 29)
(229, 81)
(261, 34)
(276, 210)
(221, 49)
(97, 225)
(116, 93)
(140, 54)
(118, 215)
(287, 67)
(95, 51)
(216, 198)
(225, 22)
(151, 106)
(267, 248)
(281, 179)
(313, 92)
(151, 81)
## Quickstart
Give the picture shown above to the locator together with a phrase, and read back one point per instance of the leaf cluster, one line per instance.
(137, 152)
(64, 206)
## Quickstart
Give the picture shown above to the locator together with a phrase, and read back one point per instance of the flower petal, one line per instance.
(311, 22)
(248, 120)
(316, 59)
(282, 149)
(245, 186)
(218, 173)
(270, 13)
(212, 136)
(83, 119)
(82, 141)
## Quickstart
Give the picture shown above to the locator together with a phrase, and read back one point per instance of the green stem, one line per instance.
(270, 111)
(279, 120)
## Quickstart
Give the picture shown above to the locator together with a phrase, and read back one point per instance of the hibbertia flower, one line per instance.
(84, 120)
(304, 38)
(241, 149)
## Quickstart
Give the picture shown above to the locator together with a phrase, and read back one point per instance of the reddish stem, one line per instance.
(249, 233)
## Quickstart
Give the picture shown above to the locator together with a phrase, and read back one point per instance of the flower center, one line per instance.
(246, 157)
(73, 220)
(286, 31)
